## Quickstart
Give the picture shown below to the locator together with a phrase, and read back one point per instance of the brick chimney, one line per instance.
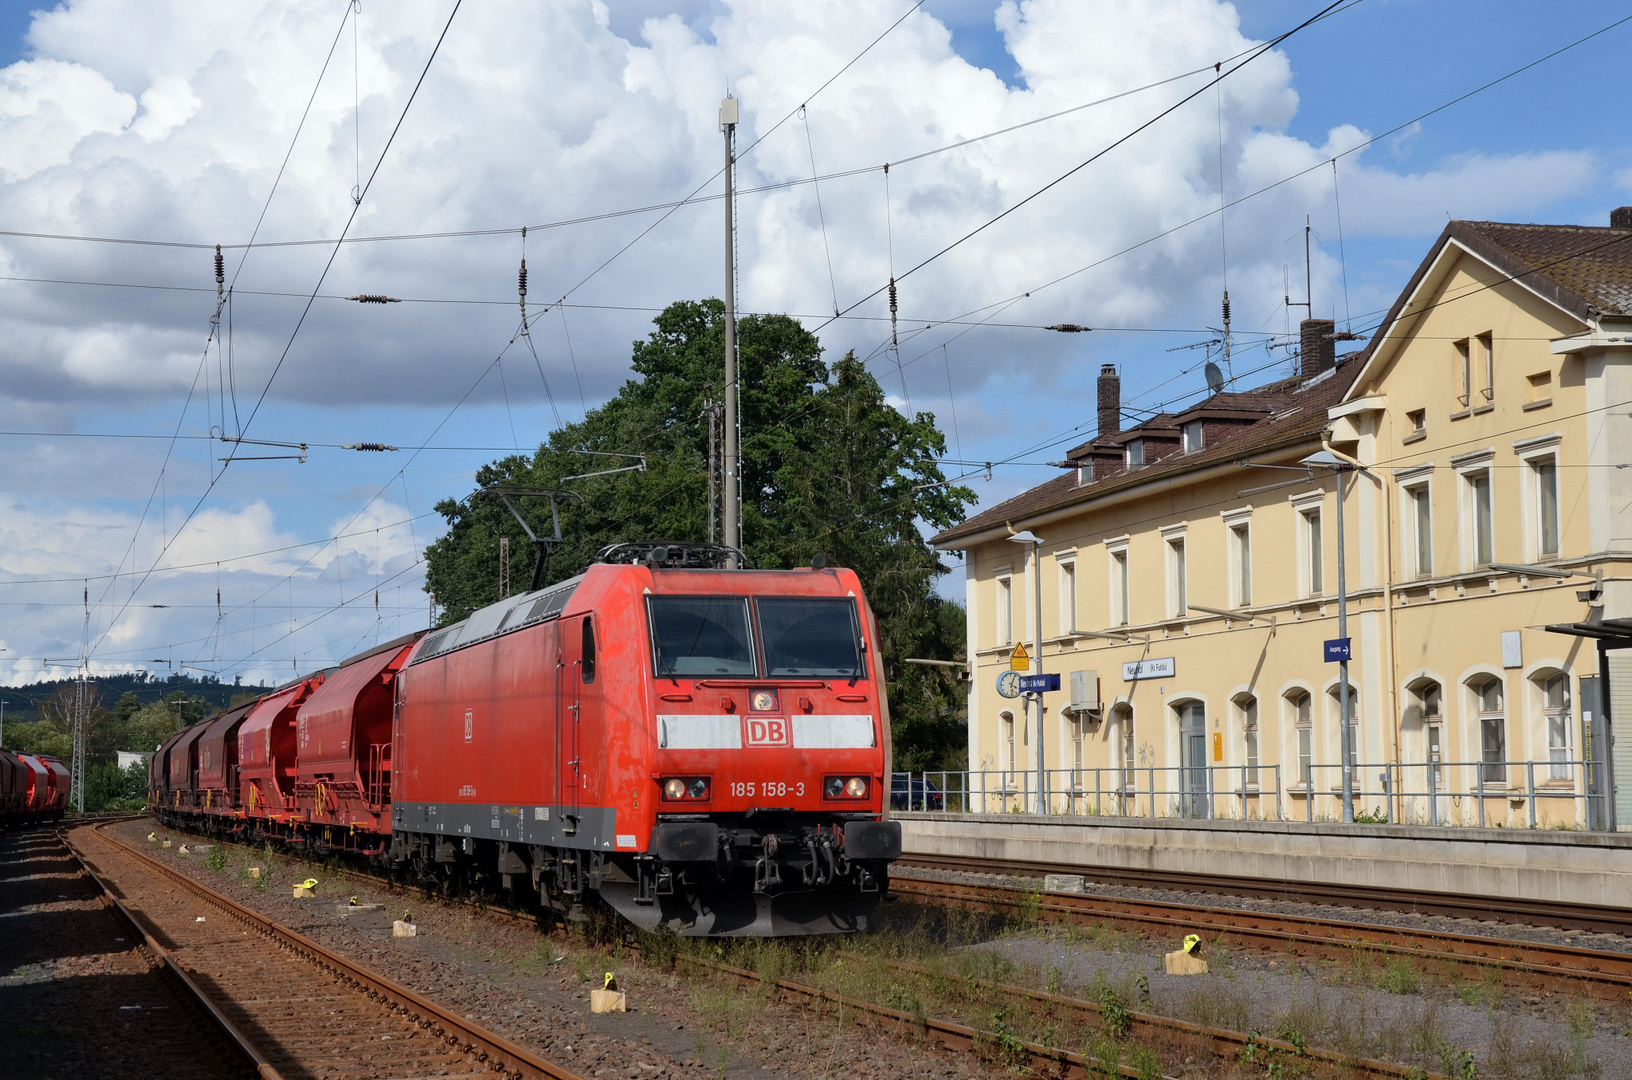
(1318, 346)
(1110, 401)
(1621, 217)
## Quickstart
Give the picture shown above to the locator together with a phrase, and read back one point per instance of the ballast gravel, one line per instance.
(533, 988)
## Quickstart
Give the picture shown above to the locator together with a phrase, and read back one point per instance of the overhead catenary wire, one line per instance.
(136, 586)
(977, 230)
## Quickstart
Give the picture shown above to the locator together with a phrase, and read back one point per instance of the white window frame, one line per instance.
(1559, 724)
(1469, 469)
(1483, 721)
(1308, 507)
(1415, 481)
(1003, 606)
(1464, 357)
(1120, 581)
(1486, 344)
(1195, 443)
(1176, 559)
(1301, 724)
(1133, 453)
(1007, 750)
(1246, 711)
(1356, 743)
(1238, 534)
(1532, 454)
(1433, 728)
(1127, 747)
(1066, 564)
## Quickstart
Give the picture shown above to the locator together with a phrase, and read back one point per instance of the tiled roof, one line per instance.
(1297, 412)
(1581, 268)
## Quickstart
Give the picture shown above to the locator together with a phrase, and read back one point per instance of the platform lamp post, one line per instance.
(1036, 542)
(1325, 459)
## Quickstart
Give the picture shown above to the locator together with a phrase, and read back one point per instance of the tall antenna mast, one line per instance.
(732, 532)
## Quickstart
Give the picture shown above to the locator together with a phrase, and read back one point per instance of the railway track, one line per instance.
(1176, 1037)
(1606, 975)
(291, 1006)
(1591, 918)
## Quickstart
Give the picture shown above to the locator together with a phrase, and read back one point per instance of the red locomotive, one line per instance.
(704, 749)
(33, 787)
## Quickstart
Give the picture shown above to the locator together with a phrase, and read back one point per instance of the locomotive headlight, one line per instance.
(763, 701)
(844, 787)
(678, 788)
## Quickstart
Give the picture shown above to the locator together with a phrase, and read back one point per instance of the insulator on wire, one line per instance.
(1226, 306)
(893, 339)
(521, 281)
(220, 270)
(374, 298)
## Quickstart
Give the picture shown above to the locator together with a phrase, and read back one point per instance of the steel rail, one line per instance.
(1593, 918)
(1605, 974)
(488, 1047)
(161, 955)
(1225, 1041)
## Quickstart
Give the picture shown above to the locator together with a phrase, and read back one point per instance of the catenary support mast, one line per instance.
(732, 532)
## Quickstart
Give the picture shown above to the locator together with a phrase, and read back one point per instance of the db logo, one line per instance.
(767, 731)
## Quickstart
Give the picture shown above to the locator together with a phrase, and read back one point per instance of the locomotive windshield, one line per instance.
(810, 636)
(701, 635)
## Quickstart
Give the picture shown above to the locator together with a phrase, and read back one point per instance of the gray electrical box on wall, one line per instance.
(1085, 696)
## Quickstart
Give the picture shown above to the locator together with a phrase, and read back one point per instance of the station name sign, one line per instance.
(1160, 668)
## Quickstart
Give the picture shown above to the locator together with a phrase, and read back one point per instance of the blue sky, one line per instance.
(175, 134)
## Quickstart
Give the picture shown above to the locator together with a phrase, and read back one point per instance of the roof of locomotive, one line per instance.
(527, 609)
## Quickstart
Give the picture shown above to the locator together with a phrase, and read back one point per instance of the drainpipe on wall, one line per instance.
(1390, 679)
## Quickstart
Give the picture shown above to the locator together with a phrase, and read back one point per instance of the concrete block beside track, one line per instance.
(1566, 867)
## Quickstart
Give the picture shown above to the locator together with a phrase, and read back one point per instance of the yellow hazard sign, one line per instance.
(1020, 659)
(1218, 746)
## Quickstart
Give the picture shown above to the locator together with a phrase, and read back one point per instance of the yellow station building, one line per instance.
(1189, 577)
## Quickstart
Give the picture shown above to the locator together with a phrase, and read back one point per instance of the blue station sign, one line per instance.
(1037, 684)
(1338, 649)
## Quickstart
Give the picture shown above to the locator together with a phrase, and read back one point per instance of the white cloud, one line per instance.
(47, 107)
(159, 119)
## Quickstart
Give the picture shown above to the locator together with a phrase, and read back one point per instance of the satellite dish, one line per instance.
(1215, 377)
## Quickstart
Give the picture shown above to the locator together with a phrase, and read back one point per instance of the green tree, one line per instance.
(827, 465)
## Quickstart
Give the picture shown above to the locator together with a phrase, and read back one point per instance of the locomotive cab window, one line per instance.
(701, 635)
(810, 636)
(588, 652)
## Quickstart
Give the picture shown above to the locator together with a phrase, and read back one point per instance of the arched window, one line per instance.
(1428, 699)
(1354, 721)
(1488, 700)
(1005, 749)
(1555, 705)
(1122, 718)
(1300, 704)
(1246, 708)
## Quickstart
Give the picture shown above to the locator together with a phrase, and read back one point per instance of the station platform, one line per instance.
(1550, 866)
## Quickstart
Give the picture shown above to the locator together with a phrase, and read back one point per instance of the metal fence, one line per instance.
(1482, 794)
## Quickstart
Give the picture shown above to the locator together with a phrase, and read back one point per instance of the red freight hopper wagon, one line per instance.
(58, 782)
(183, 768)
(344, 744)
(36, 785)
(706, 749)
(266, 752)
(218, 759)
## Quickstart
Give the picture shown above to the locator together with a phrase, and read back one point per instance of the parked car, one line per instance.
(925, 795)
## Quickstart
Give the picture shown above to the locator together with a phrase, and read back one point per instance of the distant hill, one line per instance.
(21, 701)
